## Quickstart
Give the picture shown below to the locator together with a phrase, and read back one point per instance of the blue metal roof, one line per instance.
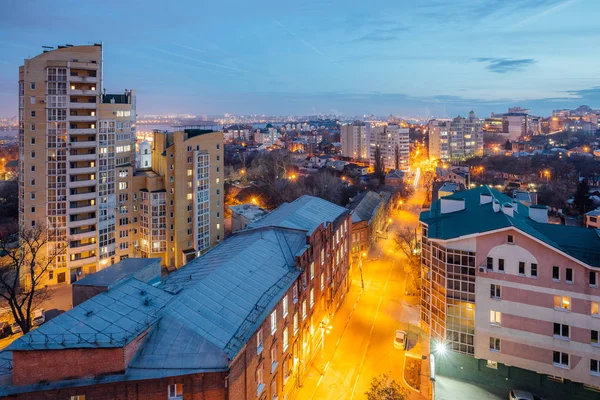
(118, 271)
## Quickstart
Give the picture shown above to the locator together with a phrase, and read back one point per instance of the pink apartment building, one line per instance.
(501, 284)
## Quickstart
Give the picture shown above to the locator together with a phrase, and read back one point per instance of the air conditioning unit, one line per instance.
(483, 270)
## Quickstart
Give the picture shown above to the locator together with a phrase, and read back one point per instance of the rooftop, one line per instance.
(580, 243)
(365, 206)
(251, 211)
(113, 274)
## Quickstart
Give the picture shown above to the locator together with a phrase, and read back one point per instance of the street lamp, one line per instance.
(362, 281)
(441, 348)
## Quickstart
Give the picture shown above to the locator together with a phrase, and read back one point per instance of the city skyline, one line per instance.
(430, 59)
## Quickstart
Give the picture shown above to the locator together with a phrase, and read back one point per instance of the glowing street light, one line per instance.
(441, 348)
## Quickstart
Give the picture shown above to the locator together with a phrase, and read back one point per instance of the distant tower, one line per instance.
(472, 115)
(144, 156)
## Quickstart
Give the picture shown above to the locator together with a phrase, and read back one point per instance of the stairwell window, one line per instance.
(175, 391)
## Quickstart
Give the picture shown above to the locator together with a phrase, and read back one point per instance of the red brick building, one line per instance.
(243, 321)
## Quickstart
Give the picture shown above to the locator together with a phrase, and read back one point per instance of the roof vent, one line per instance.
(143, 292)
(496, 205)
(147, 301)
(508, 209)
(89, 313)
(539, 214)
(485, 198)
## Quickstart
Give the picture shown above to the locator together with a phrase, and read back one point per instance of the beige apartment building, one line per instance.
(78, 178)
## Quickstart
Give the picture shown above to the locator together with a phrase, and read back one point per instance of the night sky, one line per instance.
(421, 58)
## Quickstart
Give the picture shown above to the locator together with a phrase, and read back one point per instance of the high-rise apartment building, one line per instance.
(355, 142)
(393, 142)
(456, 139)
(502, 285)
(78, 176)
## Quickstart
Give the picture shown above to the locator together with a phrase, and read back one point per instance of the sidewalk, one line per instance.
(421, 350)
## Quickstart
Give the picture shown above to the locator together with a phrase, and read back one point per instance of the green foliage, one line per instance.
(383, 387)
(582, 198)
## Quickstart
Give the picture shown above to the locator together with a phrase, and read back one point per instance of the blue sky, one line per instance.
(417, 57)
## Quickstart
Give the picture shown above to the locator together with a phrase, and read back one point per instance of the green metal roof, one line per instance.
(578, 242)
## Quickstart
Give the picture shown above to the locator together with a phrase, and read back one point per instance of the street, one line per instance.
(360, 344)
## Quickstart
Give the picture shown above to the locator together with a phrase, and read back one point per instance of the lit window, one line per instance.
(303, 310)
(495, 317)
(295, 323)
(176, 391)
(189, 196)
(562, 303)
(312, 270)
(285, 339)
(284, 305)
(78, 397)
(322, 256)
(273, 357)
(322, 281)
(273, 322)
(259, 341)
(189, 172)
(312, 297)
(594, 308)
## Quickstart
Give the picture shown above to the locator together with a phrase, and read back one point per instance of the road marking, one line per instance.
(371, 331)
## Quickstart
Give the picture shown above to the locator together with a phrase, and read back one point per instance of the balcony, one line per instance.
(82, 262)
(82, 144)
(82, 92)
(87, 118)
(83, 235)
(78, 184)
(81, 210)
(81, 249)
(83, 196)
(82, 157)
(83, 222)
(82, 131)
(83, 79)
(83, 105)
(82, 170)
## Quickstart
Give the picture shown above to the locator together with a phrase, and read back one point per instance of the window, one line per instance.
(312, 297)
(189, 172)
(33, 154)
(32, 140)
(322, 281)
(556, 273)
(32, 127)
(260, 385)
(510, 239)
(322, 256)
(284, 305)
(562, 303)
(495, 317)
(176, 391)
(494, 344)
(259, 341)
(593, 278)
(534, 269)
(273, 322)
(32, 85)
(274, 389)
(123, 185)
(561, 331)
(593, 337)
(33, 209)
(303, 310)
(273, 357)
(492, 364)
(521, 268)
(490, 263)
(501, 264)
(33, 182)
(594, 367)
(312, 270)
(78, 397)
(594, 309)
(295, 293)
(295, 323)
(32, 99)
(569, 275)
(560, 359)
(495, 291)
(285, 339)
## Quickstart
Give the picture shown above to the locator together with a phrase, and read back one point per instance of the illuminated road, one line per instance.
(360, 345)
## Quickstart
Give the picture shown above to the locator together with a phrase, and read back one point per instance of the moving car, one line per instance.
(522, 395)
(400, 340)
(39, 317)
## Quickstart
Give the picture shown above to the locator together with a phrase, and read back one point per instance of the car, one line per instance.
(522, 395)
(400, 340)
(5, 330)
(16, 328)
(39, 317)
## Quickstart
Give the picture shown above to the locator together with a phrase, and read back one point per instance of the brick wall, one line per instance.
(209, 386)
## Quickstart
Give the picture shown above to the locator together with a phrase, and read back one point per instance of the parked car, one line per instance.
(5, 330)
(400, 340)
(39, 317)
(16, 328)
(522, 395)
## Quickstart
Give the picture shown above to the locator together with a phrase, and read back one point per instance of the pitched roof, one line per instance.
(365, 206)
(578, 242)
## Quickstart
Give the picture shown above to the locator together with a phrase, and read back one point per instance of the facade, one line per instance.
(355, 142)
(457, 139)
(369, 218)
(72, 137)
(252, 313)
(592, 219)
(393, 141)
(501, 284)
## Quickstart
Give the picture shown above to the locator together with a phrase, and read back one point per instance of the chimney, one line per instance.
(485, 198)
(451, 205)
(496, 205)
(508, 209)
(539, 213)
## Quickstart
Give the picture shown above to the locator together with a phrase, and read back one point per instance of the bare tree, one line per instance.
(23, 268)
(407, 242)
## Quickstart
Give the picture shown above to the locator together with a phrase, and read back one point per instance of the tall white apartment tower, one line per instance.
(355, 140)
(390, 138)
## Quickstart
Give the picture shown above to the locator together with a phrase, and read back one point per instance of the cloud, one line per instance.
(382, 35)
(504, 65)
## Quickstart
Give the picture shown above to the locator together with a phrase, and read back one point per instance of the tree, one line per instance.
(383, 387)
(507, 145)
(23, 268)
(407, 242)
(378, 166)
(582, 197)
